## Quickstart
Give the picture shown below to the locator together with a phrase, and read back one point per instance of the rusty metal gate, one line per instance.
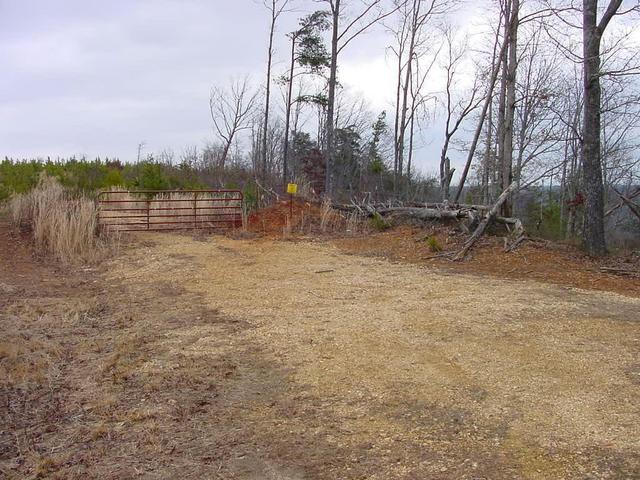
(143, 210)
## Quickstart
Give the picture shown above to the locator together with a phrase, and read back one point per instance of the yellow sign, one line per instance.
(292, 188)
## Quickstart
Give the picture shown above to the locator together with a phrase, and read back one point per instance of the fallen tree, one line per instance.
(477, 217)
(482, 226)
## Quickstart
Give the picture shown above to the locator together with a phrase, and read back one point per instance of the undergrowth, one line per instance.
(433, 243)
(63, 225)
(377, 222)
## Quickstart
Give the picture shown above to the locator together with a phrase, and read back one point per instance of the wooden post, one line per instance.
(195, 210)
(148, 206)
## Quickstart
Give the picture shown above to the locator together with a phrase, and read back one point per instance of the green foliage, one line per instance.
(312, 52)
(433, 243)
(5, 193)
(19, 177)
(545, 220)
(348, 158)
(378, 130)
(151, 177)
(377, 166)
(90, 176)
(377, 222)
(113, 178)
(250, 195)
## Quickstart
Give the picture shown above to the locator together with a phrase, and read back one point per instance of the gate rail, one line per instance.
(156, 210)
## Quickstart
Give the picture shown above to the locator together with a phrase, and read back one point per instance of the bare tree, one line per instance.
(344, 29)
(231, 111)
(275, 8)
(512, 12)
(457, 107)
(499, 48)
(592, 32)
(413, 41)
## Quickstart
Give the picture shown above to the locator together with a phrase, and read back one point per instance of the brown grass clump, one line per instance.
(328, 216)
(62, 225)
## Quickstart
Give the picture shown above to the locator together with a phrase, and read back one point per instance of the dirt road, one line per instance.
(259, 359)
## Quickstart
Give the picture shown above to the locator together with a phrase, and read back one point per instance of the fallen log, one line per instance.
(621, 271)
(423, 213)
(433, 211)
(482, 226)
(350, 207)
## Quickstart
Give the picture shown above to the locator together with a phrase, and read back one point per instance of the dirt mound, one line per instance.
(301, 216)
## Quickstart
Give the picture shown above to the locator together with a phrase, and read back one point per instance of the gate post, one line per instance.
(195, 209)
(148, 205)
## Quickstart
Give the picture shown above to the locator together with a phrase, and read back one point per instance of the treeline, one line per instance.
(543, 209)
(359, 161)
(90, 176)
(540, 92)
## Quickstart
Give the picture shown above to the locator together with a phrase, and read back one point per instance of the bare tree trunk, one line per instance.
(510, 107)
(593, 230)
(329, 129)
(287, 120)
(502, 96)
(396, 118)
(487, 156)
(411, 133)
(267, 99)
(483, 114)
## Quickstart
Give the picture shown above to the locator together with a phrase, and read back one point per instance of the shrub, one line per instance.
(433, 243)
(151, 177)
(378, 223)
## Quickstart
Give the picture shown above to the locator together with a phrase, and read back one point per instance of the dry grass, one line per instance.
(330, 219)
(63, 225)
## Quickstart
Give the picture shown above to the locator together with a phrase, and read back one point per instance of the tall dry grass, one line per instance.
(330, 219)
(63, 225)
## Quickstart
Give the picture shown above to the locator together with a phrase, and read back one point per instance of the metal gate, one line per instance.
(143, 210)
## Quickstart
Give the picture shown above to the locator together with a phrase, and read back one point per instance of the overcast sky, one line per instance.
(96, 77)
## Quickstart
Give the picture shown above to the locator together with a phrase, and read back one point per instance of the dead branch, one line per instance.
(621, 271)
(270, 191)
(490, 215)
(634, 207)
(621, 204)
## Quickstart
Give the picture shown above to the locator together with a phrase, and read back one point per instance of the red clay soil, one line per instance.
(272, 220)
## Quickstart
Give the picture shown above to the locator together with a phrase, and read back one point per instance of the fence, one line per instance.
(132, 211)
